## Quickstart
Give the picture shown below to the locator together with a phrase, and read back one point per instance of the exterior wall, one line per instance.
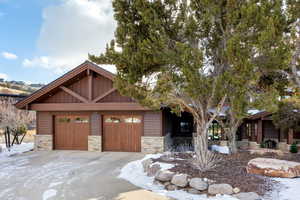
(153, 124)
(152, 144)
(43, 142)
(44, 123)
(94, 143)
(152, 140)
(96, 124)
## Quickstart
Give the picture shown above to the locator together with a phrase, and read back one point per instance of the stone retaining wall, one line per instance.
(152, 144)
(94, 143)
(43, 142)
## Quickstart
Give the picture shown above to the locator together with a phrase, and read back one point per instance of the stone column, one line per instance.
(43, 142)
(152, 144)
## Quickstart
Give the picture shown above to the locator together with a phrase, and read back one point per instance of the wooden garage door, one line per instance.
(71, 132)
(122, 133)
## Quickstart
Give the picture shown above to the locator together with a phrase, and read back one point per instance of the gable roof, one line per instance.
(61, 80)
(260, 115)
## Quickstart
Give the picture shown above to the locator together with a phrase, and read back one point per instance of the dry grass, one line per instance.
(28, 138)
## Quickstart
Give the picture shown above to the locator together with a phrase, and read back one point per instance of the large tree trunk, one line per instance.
(205, 159)
(231, 135)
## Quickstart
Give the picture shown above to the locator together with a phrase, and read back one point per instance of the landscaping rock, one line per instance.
(164, 175)
(193, 191)
(247, 196)
(171, 187)
(265, 151)
(153, 169)
(166, 158)
(146, 164)
(180, 180)
(220, 189)
(236, 190)
(274, 167)
(198, 184)
(166, 183)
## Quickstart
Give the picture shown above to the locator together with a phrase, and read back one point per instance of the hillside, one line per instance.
(18, 87)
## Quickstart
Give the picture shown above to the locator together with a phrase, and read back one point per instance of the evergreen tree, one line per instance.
(195, 55)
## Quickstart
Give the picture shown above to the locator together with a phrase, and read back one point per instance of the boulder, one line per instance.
(153, 169)
(220, 189)
(247, 196)
(146, 164)
(274, 167)
(198, 184)
(193, 191)
(171, 187)
(236, 190)
(164, 175)
(180, 180)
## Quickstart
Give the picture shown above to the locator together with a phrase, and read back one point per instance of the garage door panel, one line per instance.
(122, 133)
(71, 132)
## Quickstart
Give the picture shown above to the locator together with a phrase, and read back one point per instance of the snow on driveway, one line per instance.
(59, 175)
(287, 189)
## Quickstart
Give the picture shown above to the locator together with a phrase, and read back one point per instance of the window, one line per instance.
(112, 120)
(64, 120)
(132, 120)
(81, 120)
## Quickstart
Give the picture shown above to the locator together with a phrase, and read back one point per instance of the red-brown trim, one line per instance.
(56, 83)
(87, 107)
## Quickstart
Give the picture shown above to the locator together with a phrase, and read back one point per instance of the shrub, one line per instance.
(262, 145)
(294, 148)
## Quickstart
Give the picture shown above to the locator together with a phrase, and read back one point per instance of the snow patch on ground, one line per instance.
(220, 149)
(134, 173)
(16, 149)
(48, 194)
(288, 189)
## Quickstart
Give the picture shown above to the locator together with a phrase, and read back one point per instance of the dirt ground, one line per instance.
(232, 170)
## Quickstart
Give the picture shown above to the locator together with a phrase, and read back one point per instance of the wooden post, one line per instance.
(259, 130)
(253, 131)
(290, 136)
(90, 86)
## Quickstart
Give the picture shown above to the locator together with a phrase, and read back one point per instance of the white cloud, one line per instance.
(9, 56)
(70, 31)
(4, 76)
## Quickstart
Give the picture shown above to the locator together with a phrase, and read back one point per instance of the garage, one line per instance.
(122, 133)
(71, 132)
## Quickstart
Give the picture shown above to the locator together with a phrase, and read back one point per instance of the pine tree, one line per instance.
(195, 55)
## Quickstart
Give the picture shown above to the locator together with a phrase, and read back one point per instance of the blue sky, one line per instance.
(42, 39)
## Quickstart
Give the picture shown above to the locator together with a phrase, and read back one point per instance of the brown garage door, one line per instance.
(71, 132)
(122, 133)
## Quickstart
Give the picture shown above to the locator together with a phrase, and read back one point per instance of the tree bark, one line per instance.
(231, 134)
(205, 159)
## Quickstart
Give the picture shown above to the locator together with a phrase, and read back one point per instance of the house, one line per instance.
(82, 110)
(259, 129)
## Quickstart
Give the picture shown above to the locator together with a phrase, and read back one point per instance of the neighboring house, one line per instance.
(259, 129)
(82, 110)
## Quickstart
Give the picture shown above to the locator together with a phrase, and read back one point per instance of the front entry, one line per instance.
(122, 133)
(71, 132)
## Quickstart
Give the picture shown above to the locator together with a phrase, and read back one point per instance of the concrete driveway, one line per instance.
(64, 175)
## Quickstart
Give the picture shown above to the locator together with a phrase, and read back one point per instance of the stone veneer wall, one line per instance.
(153, 144)
(94, 143)
(43, 142)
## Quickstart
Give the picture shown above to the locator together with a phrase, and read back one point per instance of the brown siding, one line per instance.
(61, 97)
(44, 123)
(116, 97)
(101, 85)
(80, 87)
(153, 124)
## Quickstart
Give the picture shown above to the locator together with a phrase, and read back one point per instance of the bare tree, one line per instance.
(12, 117)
